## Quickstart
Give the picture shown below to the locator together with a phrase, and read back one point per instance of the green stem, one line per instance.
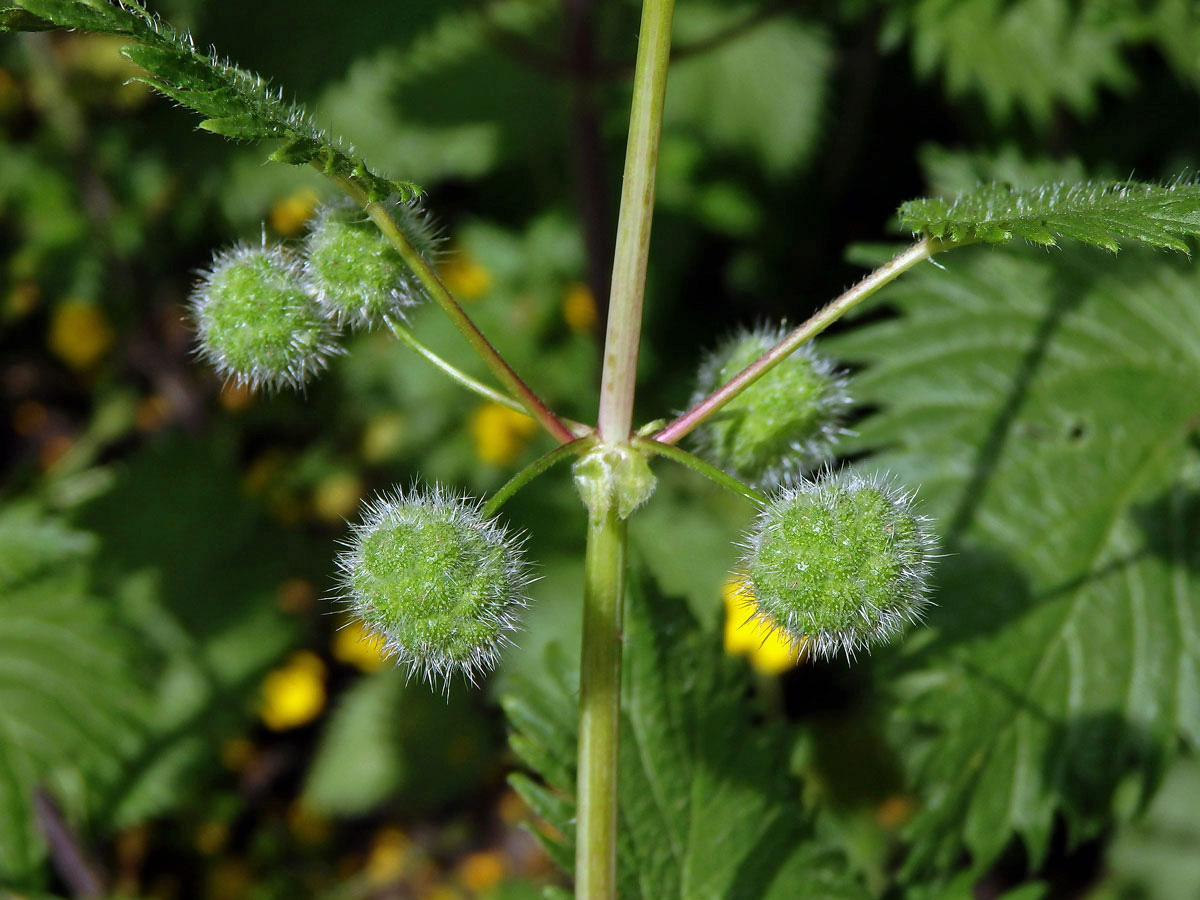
(443, 298)
(578, 429)
(533, 470)
(633, 225)
(471, 384)
(600, 709)
(918, 252)
(696, 464)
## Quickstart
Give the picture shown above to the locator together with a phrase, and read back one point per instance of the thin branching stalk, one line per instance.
(442, 297)
(405, 336)
(917, 253)
(696, 464)
(533, 470)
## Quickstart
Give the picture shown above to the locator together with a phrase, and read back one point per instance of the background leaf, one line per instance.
(702, 816)
(1046, 410)
(71, 701)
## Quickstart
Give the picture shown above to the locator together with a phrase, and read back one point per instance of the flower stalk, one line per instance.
(443, 298)
(818, 322)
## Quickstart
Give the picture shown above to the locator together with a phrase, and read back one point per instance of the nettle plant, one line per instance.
(838, 560)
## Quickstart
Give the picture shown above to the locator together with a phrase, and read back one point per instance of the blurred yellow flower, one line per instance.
(465, 276)
(384, 436)
(355, 646)
(500, 433)
(289, 214)
(579, 309)
(481, 871)
(294, 694)
(79, 333)
(770, 653)
(391, 852)
(336, 497)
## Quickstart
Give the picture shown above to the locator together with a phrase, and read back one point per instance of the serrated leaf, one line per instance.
(708, 807)
(1030, 55)
(70, 698)
(1046, 409)
(234, 102)
(16, 19)
(1098, 213)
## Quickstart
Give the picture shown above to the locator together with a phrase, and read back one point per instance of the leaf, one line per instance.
(1047, 413)
(708, 807)
(1028, 55)
(1156, 856)
(1098, 213)
(389, 737)
(232, 101)
(69, 694)
(16, 19)
(762, 91)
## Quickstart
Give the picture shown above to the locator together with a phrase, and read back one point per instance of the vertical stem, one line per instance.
(633, 224)
(600, 709)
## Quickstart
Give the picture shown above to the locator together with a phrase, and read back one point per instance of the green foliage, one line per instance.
(1097, 213)
(73, 704)
(702, 816)
(231, 101)
(1047, 409)
(762, 93)
(390, 738)
(1033, 55)
(1154, 858)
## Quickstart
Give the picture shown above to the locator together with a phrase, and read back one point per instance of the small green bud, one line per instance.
(611, 475)
(355, 274)
(842, 560)
(256, 323)
(441, 585)
(783, 425)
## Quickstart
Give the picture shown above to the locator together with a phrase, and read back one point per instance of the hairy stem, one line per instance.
(533, 470)
(696, 464)
(443, 298)
(633, 224)
(408, 338)
(822, 319)
(600, 709)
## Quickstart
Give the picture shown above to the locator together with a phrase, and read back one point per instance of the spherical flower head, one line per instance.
(357, 276)
(256, 323)
(842, 562)
(784, 424)
(441, 585)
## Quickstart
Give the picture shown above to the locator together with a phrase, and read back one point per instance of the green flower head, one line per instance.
(256, 324)
(783, 425)
(843, 561)
(441, 585)
(356, 275)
